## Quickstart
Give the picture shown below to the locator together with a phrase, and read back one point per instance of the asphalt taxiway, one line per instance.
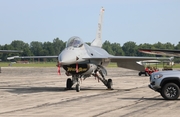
(34, 92)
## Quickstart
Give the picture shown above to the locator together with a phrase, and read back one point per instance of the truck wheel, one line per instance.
(170, 91)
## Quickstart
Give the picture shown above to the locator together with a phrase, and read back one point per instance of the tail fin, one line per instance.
(98, 41)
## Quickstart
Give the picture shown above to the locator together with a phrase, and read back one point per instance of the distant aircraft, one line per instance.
(80, 60)
(165, 52)
(10, 51)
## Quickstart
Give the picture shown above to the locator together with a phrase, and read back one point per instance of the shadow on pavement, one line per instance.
(23, 90)
(20, 90)
(153, 98)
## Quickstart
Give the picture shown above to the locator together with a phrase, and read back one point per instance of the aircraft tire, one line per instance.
(77, 88)
(139, 73)
(109, 84)
(69, 83)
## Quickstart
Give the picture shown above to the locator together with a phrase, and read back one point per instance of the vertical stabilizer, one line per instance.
(98, 41)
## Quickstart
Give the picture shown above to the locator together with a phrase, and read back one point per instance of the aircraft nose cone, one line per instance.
(67, 57)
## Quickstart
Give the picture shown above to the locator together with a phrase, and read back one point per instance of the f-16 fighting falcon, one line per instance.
(80, 60)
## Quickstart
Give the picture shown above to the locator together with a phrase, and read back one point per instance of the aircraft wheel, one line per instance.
(69, 83)
(77, 88)
(139, 73)
(109, 84)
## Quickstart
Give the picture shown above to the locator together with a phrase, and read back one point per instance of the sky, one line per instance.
(140, 21)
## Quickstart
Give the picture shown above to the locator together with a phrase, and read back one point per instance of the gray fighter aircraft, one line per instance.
(80, 60)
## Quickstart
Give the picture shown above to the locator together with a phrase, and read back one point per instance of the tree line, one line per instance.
(36, 48)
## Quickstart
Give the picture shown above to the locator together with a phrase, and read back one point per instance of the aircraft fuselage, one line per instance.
(74, 59)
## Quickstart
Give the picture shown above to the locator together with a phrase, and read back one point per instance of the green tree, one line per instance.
(117, 50)
(36, 48)
(20, 45)
(177, 47)
(168, 45)
(48, 49)
(107, 46)
(158, 45)
(130, 48)
(58, 45)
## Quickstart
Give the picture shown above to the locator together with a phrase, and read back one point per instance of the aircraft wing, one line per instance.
(161, 52)
(131, 62)
(14, 57)
(10, 51)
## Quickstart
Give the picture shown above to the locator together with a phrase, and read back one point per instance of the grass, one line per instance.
(53, 64)
(35, 64)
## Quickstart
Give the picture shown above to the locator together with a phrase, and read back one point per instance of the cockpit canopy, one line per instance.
(75, 42)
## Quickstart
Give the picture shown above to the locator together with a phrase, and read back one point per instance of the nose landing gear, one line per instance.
(70, 83)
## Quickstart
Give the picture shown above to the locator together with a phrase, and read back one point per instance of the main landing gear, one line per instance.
(99, 73)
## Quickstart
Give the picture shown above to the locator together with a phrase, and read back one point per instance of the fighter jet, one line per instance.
(165, 52)
(81, 60)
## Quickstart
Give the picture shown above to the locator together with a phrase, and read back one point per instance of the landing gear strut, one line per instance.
(99, 73)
